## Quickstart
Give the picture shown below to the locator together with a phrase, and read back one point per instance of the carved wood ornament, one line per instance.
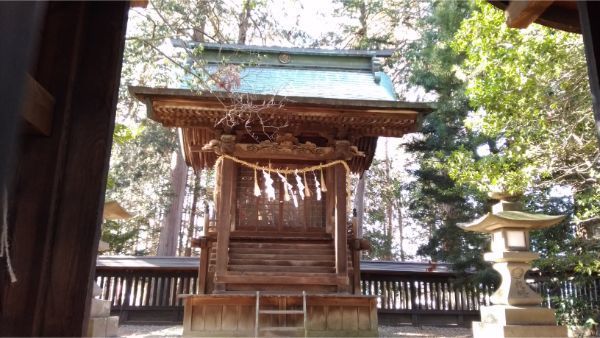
(285, 146)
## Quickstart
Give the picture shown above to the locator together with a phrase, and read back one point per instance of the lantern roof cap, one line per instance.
(114, 211)
(491, 222)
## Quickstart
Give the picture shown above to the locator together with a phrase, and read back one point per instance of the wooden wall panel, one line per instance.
(60, 179)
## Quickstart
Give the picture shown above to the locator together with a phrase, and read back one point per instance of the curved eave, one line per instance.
(198, 114)
(145, 93)
(512, 219)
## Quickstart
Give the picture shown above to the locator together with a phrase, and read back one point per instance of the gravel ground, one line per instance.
(138, 331)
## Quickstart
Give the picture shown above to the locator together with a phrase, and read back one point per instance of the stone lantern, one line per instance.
(516, 310)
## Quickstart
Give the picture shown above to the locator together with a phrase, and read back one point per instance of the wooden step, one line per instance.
(233, 255)
(281, 312)
(279, 288)
(281, 268)
(281, 245)
(281, 262)
(289, 278)
(282, 328)
(279, 331)
(288, 251)
(288, 236)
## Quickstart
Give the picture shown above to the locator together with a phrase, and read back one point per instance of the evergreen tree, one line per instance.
(437, 202)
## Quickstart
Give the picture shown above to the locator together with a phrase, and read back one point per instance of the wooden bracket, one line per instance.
(520, 14)
(38, 108)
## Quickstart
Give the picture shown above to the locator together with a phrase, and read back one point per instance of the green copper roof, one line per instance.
(323, 83)
(315, 73)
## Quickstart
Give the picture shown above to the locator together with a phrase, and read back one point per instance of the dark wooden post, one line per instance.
(341, 245)
(589, 11)
(55, 211)
(224, 221)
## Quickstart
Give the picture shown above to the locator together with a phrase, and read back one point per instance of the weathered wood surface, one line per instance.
(224, 218)
(145, 293)
(60, 179)
(234, 315)
(341, 232)
(520, 14)
(38, 108)
(394, 284)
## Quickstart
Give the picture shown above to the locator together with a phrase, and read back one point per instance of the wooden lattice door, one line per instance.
(258, 213)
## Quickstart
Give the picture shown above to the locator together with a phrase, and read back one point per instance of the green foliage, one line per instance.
(533, 108)
(120, 238)
(437, 202)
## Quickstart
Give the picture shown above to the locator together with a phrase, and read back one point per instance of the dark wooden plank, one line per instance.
(589, 11)
(85, 110)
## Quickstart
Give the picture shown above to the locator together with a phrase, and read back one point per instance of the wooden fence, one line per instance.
(147, 293)
(145, 289)
(420, 297)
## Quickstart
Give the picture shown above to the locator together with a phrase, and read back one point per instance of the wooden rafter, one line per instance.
(520, 14)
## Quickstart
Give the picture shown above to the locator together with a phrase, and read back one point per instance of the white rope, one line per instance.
(4, 250)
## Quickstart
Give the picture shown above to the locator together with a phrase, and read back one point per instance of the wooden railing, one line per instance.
(147, 293)
(145, 289)
(420, 297)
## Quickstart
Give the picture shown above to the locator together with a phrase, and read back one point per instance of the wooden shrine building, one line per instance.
(282, 222)
(59, 80)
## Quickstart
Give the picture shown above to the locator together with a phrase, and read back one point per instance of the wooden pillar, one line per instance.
(58, 186)
(589, 12)
(224, 221)
(341, 246)
(330, 199)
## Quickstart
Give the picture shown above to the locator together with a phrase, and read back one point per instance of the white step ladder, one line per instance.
(259, 312)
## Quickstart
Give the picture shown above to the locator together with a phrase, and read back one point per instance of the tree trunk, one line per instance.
(190, 231)
(401, 230)
(167, 243)
(200, 28)
(244, 22)
(389, 208)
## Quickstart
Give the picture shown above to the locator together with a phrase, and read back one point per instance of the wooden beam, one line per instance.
(38, 107)
(520, 14)
(224, 221)
(138, 3)
(589, 12)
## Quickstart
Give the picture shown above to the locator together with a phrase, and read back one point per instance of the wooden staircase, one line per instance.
(280, 265)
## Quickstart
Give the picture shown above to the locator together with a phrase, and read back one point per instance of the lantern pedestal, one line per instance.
(516, 311)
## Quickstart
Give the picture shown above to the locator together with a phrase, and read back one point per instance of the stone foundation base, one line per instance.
(515, 321)
(485, 330)
(103, 326)
(101, 323)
